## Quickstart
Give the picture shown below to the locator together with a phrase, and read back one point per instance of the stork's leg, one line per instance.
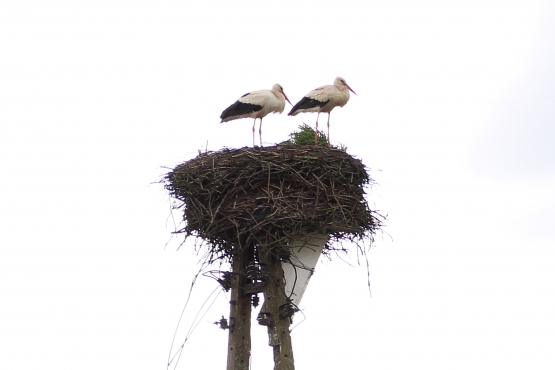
(260, 132)
(329, 145)
(253, 124)
(316, 132)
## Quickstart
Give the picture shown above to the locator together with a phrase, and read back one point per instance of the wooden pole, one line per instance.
(274, 297)
(239, 342)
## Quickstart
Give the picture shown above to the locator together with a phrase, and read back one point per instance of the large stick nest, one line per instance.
(272, 195)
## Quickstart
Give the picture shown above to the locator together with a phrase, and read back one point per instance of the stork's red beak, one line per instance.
(285, 96)
(347, 86)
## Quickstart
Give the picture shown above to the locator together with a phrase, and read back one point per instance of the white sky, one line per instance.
(455, 115)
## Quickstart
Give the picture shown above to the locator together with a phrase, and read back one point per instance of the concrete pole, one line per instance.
(274, 297)
(239, 342)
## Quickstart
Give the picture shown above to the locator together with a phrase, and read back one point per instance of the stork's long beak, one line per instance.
(285, 96)
(347, 86)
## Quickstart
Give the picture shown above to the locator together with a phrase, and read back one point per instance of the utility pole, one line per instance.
(239, 343)
(275, 313)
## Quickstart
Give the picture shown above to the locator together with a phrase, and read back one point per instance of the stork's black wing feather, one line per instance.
(238, 108)
(307, 103)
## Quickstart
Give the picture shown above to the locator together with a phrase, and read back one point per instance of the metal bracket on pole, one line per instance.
(265, 319)
(253, 288)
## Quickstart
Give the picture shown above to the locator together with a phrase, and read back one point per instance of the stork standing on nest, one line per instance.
(323, 100)
(257, 104)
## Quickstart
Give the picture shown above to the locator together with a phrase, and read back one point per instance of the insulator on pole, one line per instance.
(255, 300)
(253, 271)
(288, 309)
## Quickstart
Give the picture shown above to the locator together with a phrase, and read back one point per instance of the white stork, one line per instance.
(323, 100)
(257, 104)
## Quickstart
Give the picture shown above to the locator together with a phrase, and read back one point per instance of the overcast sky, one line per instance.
(455, 117)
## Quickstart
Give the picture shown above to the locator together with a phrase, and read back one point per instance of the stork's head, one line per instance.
(341, 84)
(279, 89)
